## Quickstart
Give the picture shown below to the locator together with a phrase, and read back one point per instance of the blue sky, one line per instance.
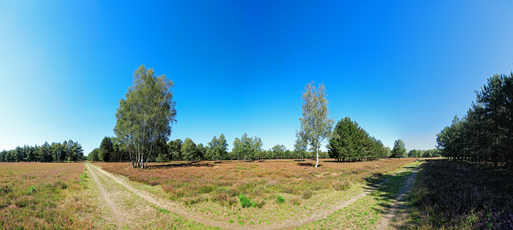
(401, 69)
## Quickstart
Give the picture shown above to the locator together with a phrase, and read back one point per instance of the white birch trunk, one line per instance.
(317, 152)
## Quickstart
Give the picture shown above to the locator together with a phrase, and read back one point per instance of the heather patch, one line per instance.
(214, 191)
(45, 196)
(458, 195)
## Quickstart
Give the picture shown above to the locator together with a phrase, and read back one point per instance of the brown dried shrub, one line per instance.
(295, 201)
(341, 185)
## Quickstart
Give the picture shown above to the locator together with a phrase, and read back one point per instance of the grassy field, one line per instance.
(456, 195)
(241, 195)
(257, 192)
(45, 196)
(367, 212)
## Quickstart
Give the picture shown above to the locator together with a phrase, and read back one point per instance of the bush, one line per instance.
(280, 199)
(307, 194)
(259, 204)
(191, 201)
(245, 202)
(167, 188)
(232, 201)
(5, 189)
(295, 201)
(31, 190)
(341, 186)
(206, 189)
(221, 198)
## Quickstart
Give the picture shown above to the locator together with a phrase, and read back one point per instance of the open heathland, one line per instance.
(460, 195)
(253, 193)
(366, 212)
(45, 196)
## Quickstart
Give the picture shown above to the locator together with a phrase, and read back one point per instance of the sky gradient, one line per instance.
(401, 69)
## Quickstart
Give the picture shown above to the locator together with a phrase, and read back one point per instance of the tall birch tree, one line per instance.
(315, 124)
(145, 115)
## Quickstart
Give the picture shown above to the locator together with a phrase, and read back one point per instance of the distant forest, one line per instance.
(351, 143)
(485, 133)
(67, 151)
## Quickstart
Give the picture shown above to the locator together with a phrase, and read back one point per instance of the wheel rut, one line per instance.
(174, 208)
(399, 206)
(117, 214)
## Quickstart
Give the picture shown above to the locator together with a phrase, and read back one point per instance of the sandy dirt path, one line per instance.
(117, 215)
(286, 224)
(163, 203)
(399, 206)
(295, 223)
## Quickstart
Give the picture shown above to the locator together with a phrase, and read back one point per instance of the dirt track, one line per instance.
(124, 191)
(399, 206)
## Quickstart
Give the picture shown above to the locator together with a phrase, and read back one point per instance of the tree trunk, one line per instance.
(317, 152)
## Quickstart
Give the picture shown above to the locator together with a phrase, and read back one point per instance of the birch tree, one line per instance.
(300, 146)
(315, 124)
(145, 115)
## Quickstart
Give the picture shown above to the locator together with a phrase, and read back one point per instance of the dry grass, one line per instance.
(461, 195)
(367, 212)
(44, 196)
(214, 189)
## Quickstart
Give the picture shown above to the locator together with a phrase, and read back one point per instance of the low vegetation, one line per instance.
(252, 191)
(44, 196)
(367, 212)
(255, 180)
(461, 195)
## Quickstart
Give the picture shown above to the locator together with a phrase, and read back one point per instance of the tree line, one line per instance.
(145, 115)
(67, 151)
(244, 149)
(416, 153)
(485, 133)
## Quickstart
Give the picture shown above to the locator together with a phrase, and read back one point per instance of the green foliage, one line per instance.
(399, 150)
(93, 156)
(31, 190)
(145, 115)
(247, 147)
(175, 149)
(218, 148)
(484, 133)
(189, 150)
(161, 210)
(68, 151)
(106, 150)
(415, 153)
(245, 202)
(280, 199)
(350, 142)
(341, 185)
(279, 151)
(307, 194)
(300, 146)
(315, 123)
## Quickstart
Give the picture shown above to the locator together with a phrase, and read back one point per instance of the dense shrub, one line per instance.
(307, 194)
(280, 199)
(245, 202)
(455, 195)
(295, 201)
(341, 185)
(221, 198)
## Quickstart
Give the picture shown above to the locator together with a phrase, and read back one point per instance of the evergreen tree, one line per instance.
(106, 149)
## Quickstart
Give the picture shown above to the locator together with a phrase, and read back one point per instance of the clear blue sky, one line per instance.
(401, 69)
